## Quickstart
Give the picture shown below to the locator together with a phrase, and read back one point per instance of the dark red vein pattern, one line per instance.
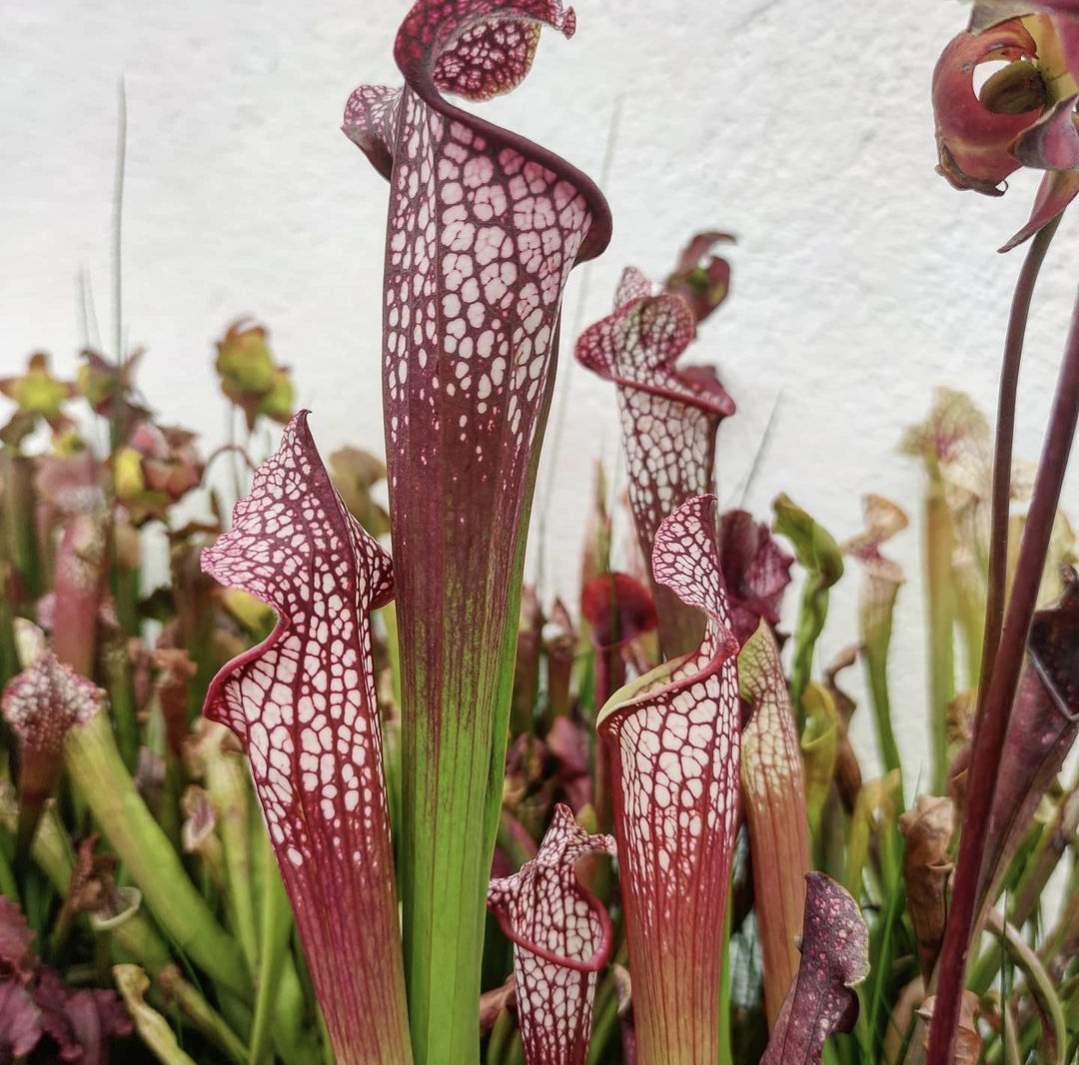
(303, 705)
(669, 417)
(562, 938)
(674, 741)
(484, 227)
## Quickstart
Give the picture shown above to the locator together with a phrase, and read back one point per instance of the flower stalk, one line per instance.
(997, 577)
(992, 723)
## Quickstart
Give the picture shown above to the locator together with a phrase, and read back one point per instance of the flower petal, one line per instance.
(303, 704)
(20, 1021)
(756, 571)
(1052, 143)
(973, 142)
(16, 958)
(987, 13)
(1057, 190)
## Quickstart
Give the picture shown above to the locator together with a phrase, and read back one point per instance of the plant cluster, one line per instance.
(344, 789)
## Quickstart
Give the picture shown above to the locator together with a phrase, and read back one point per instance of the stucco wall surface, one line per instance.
(861, 279)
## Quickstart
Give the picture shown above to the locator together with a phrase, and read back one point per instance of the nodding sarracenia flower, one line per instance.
(484, 227)
(756, 572)
(1024, 114)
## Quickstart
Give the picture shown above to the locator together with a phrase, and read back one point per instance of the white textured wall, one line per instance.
(861, 278)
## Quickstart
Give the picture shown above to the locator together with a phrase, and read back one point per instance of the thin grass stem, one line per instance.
(992, 724)
(1002, 457)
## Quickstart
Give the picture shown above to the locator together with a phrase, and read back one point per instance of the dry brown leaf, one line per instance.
(927, 865)
(493, 1002)
(968, 1044)
(902, 1020)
